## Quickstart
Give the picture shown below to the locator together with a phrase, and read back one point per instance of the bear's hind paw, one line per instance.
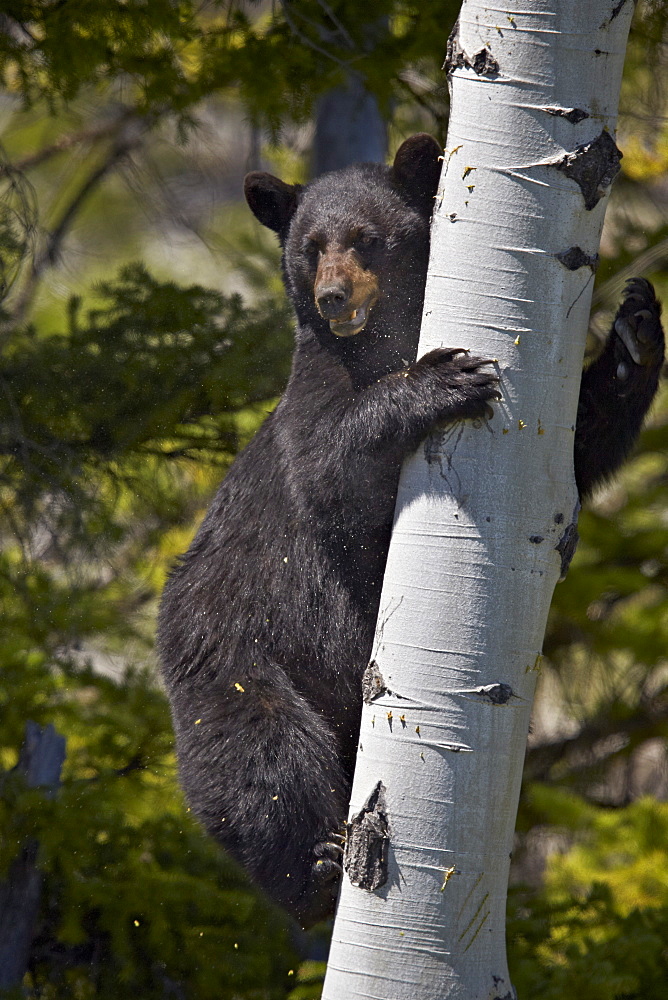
(638, 326)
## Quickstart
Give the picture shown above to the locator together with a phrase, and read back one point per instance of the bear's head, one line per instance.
(356, 243)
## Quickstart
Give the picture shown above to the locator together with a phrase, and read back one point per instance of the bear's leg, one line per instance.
(261, 771)
(618, 388)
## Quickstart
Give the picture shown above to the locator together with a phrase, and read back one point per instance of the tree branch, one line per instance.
(68, 142)
(130, 135)
(308, 42)
(595, 742)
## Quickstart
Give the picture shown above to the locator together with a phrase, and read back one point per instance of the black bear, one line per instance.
(267, 621)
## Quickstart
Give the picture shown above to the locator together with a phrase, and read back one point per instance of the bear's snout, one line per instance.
(344, 293)
(332, 299)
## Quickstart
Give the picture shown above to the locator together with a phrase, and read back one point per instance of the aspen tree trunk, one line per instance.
(485, 518)
(349, 128)
(41, 759)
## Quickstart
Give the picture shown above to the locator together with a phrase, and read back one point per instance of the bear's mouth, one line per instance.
(355, 322)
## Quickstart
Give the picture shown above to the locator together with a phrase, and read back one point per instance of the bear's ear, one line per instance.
(417, 169)
(272, 201)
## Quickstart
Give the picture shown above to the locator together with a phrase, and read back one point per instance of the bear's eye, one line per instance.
(365, 241)
(311, 247)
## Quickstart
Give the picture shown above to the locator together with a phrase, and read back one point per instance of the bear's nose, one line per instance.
(332, 300)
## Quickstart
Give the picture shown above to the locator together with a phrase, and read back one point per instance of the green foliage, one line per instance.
(53, 48)
(134, 897)
(169, 55)
(608, 629)
(599, 927)
(617, 596)
(154, 370)
(310, 978)
(18, 214)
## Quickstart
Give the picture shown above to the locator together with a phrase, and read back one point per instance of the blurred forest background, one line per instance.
(144, 335)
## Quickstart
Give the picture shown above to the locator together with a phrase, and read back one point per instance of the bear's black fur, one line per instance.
(266, 624)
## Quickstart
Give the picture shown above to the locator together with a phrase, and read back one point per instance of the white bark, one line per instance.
(473, 564)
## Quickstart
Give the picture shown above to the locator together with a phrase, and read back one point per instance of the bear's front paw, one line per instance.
(638, 326)
(467, 382)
